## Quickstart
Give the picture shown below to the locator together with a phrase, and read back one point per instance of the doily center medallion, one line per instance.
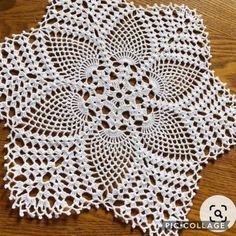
(115, 112)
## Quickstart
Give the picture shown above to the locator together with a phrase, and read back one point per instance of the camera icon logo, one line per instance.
(219, 213)
(218, 209)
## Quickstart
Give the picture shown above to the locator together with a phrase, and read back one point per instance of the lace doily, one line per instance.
(112, 105)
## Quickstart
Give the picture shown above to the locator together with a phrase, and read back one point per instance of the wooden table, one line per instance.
(218, 177)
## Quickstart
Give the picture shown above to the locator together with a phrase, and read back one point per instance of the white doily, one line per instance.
(112, 105)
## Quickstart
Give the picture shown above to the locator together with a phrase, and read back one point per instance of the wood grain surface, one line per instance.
(218, 177)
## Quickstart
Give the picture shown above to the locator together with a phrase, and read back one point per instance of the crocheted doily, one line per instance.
(112, 105)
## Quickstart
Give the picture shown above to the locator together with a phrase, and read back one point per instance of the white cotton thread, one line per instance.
(112, 105)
